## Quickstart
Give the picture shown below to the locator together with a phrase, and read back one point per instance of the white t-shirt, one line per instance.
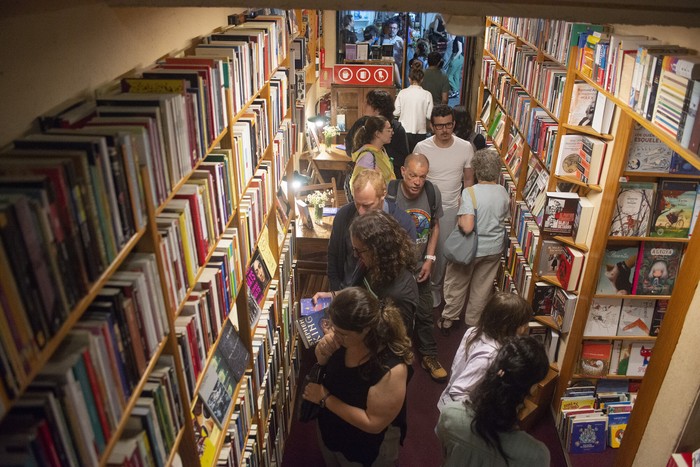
(447, 167)
(413, 106)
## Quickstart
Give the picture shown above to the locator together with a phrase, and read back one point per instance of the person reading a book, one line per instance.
(506, 315)
(370, 195)
(367, 357)
(370, 139)
(484, 430)
(488, 218)
(386, 259)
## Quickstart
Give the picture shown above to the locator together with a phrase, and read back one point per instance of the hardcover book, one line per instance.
(635, 317)
(658, 316)
(570, 267)
(657, 268)
(640, 354)
(563, 308)
(603, 317)
(616, 274)
(548, 263)
(617, 424)
(632, 213)
(559, 213)
(583, 99)
(673, 210)
(647, 153)
(308, 307)
(312, 327)
(588, 435)
(595, 358)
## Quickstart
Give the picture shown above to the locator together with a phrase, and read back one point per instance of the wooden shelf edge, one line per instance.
(570, 241)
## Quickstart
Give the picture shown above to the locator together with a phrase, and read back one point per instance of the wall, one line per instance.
(63, 52)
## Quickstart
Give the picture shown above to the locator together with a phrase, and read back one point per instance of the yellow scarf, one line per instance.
(381, 163)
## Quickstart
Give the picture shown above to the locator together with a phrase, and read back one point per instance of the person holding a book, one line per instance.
(484, 430)
(506, 315)
(487, 217)
(367, 357)
(370, 140)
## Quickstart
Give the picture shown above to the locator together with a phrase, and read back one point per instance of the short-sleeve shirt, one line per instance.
(435, 81)
(492, 205)
(420, 211)
(447, 167)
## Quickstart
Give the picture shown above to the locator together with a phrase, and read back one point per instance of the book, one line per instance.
(657, 268)
(538, 331)
(640, 355)
(304, 214)
(635, 317)
(617, 424)
(215, 395)
(591, 158)
(548, 262)
(308, 307)
(603, 115)
(563, 307)
(583, 104)
(542, 298)
(658, 316)
(632, 213)
(673, 209)
(588, 435)
(647, 153)
(583, 220)
(595, 358)
(570, 268)
(603, 317)
(681, 166)
(559, 213)
(312, 327)
(257, 277)
(617, 269)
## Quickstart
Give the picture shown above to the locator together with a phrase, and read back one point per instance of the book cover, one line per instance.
(617, 271)
(635, 317)
(569, 268)
(538, 331)
(588, 435)
(657, 268)
(542, 299)
(568, 157)
(603, 317)
(647, 153)
(590, 161)
(595, 358)
(583, 100)
(308, 307)
(617, 423)
(673, 209)
(312, 327)
(257, 277)
(632, 212)
(681, 166)
(550, 250)
(640, 355)
(658, 316)
(215, 396)
(560, 213)
(563, 307)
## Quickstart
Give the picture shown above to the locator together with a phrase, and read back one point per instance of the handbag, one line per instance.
(460, 247)
(308, 410)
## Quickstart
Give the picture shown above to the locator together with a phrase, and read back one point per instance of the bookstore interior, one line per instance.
(150, 278)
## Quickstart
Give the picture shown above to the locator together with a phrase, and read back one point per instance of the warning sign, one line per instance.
(365, 75)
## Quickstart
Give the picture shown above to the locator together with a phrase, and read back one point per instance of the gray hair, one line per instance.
(487, 165)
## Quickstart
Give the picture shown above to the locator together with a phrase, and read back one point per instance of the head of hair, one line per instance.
(487, 165)
(503, 314)
(422, 47)
(442, 110)
(416, 75)
(391, 21)
(520, 363)
(418, 158)
(388, 243)
(356, 309)
(434, 58)
(371, 177)
(347, 19)
(382, 102)
(463, 122)
(370, 32)
(365, 134)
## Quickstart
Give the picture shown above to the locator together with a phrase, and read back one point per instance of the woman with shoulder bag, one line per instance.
(484, 209)
(371, 139)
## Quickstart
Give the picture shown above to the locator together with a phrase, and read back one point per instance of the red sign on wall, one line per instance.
(363, 75)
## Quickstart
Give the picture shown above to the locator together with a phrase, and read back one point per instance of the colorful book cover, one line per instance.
(617, 271)
(635, 317)
(632, 213)
(595, 358)
(559, 213)
(617, 423)
(312, 327)
(682, 166)
(563, 308)
(640, 355)
(542, 299)
(308, 307)
(570, 267)
(657, 268)
(658, 316)
(647, 153)
(550, 250)
(603, 317)
(673, 210)
(257, 277)
(588, 435)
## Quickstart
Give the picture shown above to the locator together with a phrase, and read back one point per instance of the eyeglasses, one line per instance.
(357, 252)
(443, 126)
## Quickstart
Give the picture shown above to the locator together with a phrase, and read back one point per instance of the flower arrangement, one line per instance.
(319, 198)
(330, 132)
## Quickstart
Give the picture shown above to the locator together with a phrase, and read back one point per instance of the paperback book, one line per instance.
(595, 358)
(647, 153)
(257, 277)
(563, 308)
(588, 434)
(312, 327)
(657, 268)
(616, 274)
(603, 317)
(542, 298)
(583, 100)
(308, 306)
(640, 355)
(635, 317)
(560, 213)
(569, 268)
(550, 251)
(632, 212)
(673, 210)
(658, 316)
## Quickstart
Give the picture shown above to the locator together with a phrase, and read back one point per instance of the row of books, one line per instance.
(534, 191)
(581, 158)
(590, 108)
(593, 416)
(621, 358)
(567, 214)
(624, 317)
(541, 134)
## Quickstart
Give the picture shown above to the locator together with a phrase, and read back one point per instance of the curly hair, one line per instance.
(365, 134)
(355, 309)
(520, 363)
(487, 165)
(442, 110)
(388, 243)
(382, 102)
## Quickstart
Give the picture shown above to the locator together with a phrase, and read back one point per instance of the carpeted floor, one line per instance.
(421, 447)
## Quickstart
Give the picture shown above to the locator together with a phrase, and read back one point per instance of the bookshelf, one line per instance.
(520, 54)
(144, 327)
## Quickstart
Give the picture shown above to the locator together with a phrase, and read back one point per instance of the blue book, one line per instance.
(588, 435)
(311, 327)
(308, 307)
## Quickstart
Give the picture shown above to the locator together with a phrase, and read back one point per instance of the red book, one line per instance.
(191, 194)
(97, 394)
(570, 268)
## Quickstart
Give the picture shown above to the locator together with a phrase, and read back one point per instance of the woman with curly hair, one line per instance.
(484, 430)
(367, 357)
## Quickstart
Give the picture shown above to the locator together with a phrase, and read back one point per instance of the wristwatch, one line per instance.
(322, 402)
(431, 257)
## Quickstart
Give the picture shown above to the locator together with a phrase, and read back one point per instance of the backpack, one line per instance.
(393, 188)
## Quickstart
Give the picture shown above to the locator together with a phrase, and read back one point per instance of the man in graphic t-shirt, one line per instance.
(412, 197)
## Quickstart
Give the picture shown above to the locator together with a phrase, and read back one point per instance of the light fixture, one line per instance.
(319, 121)
(297, 180)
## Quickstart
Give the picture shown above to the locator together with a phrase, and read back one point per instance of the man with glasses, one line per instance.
(369, 192)
(450, 160)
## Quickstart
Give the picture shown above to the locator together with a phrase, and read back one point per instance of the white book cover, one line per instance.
(640, 354)
(603, 317)
(635, 317)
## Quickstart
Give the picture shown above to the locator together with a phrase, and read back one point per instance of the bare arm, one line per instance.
(444, 97)
(466, 222)
(427, 267)
(468, 177)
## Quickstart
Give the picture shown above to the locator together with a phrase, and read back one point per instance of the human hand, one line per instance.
(314, 392)
(319, 295)
(424, 273)
(327, 346)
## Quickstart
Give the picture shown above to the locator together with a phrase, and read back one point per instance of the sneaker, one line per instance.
(437, 372)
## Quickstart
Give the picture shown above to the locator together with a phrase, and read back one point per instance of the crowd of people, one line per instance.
(387, 273)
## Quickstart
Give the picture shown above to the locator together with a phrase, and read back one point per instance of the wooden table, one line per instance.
(335, 161)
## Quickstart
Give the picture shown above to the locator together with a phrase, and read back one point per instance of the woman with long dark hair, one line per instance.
(370, 140)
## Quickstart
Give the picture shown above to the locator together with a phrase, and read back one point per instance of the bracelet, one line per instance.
(432, 258)
(322, 402)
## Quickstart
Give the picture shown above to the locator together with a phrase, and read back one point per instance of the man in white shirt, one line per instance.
(413, 106)
(450, 170)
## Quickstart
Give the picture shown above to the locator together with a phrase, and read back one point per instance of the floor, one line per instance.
(421, 447)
